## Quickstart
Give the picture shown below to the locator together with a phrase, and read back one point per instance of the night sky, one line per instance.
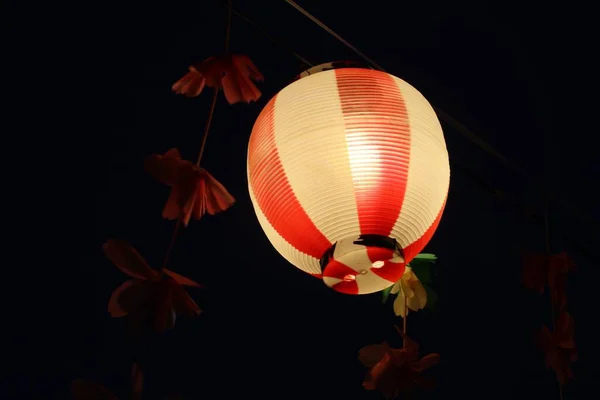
(515, 75)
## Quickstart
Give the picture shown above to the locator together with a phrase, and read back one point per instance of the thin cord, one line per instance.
(207, 126)
(335, 35)
(171, 244)
(271, 38)
(404, 320)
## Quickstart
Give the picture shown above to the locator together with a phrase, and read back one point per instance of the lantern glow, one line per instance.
(348, 174)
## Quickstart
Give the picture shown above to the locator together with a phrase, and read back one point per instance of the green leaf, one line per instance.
(426, 256)
(422, 270)
(432, 297)
(386, 294)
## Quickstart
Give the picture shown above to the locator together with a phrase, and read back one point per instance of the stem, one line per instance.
(404, 322)
(171, 244)
(207, 126)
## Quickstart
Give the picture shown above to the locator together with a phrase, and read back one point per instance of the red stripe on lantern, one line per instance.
(378, 140)
(415, 248)
(273, 192)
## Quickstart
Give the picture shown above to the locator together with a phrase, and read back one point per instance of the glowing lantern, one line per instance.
(348, 173)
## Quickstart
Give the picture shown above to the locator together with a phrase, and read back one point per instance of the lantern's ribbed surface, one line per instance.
(342, 153)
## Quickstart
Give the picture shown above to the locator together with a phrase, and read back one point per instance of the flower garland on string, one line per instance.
(153, 298)
(547, 270)
(396, 372)
(541, 271)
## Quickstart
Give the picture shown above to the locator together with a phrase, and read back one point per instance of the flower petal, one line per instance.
(137, 296)
(426, 362)
(182, 280)
(420, 296)
(114, 308)
(372, 354)
(137, 381)
(164, 314)
(395, 288)
(191, 84)
(535, 272)
(183, 304)
(400, 305)
(237, 83)
(217, 198)
(164, 168)
(172, 209)
(127, 259)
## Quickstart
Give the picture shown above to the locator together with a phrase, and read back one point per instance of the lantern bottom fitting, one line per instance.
(362, 264)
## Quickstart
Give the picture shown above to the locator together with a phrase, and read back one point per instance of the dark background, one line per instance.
(93, 99)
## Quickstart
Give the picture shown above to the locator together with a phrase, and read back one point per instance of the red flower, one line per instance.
(395, 371)
(151, 294)
(194, 191)
(541, 269)
(233, 73)
(559, 347)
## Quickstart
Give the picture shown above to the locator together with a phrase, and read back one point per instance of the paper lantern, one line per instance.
(348, 173)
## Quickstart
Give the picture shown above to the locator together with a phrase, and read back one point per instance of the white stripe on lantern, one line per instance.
(330, 281)
(428, 172)
(371, 283)
(303, 261)
(309, 130)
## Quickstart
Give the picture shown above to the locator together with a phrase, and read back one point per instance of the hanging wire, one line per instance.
(270, 38)
(335, 35)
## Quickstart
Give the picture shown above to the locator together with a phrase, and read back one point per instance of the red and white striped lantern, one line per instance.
(348, 173)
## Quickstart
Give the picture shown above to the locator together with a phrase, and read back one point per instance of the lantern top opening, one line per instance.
(329, 66)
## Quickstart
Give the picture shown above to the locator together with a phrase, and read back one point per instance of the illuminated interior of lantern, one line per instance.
(364, 159)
